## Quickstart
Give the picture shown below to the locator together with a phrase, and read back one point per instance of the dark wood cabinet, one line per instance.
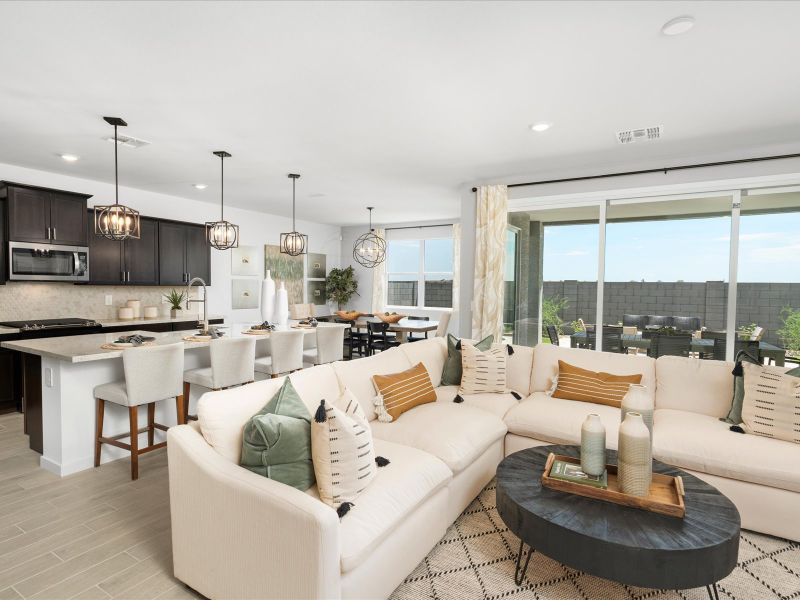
(132, 262)
(183, 253)
(105, 260)
(46, 216)
(8, 396)
(3, 241)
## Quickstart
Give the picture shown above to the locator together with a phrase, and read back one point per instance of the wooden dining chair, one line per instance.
(378, 337)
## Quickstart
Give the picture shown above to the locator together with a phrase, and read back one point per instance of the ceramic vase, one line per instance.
(639, 400)
(282, 306)
(593, 446)
(634, 458)
(268, 298)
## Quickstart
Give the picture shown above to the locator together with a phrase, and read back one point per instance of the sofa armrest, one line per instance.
(236, 534)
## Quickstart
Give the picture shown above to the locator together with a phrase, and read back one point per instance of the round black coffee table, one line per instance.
(627, 545)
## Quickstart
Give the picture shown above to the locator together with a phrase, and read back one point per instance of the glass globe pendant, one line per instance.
(370, 248)
(294, 243)
(116, 221)
(222, 234)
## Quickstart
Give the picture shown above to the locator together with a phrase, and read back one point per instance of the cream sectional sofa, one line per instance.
(238, 535)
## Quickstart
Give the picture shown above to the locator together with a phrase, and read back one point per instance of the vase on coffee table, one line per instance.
(635, 458)
(639, 400)
(593, 446)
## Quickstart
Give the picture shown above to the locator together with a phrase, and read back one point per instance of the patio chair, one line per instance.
(686, 323)
(670, 345)
(637, 321)
(552, 333)
(612, 340)
(719, 350)
(658, 321)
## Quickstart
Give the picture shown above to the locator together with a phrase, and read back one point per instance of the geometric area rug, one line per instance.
(476, 559)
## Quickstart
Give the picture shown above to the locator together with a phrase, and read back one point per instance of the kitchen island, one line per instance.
(63, 371)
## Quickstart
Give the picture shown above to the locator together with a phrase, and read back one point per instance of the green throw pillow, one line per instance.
(735, 414)
(277, 440)
(451, 374)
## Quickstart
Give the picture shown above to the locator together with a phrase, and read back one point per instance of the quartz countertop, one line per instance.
(7, 330)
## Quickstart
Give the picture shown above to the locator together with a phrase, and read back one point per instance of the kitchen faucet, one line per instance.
(203, 301)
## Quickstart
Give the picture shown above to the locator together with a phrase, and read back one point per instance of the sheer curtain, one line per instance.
(379, 281)
(490, 235)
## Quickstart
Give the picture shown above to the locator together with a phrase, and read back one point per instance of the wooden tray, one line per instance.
(666, 491)
(257, 331)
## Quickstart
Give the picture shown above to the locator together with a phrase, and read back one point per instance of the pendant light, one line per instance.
(370, 248)
(294, 243)
(222, 234)
(116, 221)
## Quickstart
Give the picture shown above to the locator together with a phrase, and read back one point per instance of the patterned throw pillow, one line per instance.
(483, 371)
(451, 374)
(583, 385)
(399, 392)
(344, 456)
(771, 403)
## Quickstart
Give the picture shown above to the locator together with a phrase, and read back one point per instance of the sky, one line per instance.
(403, 257)
(677, 250)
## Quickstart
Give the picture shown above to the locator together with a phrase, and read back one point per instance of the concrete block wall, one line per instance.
(438, 294)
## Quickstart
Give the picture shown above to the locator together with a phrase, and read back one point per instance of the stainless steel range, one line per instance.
(67, 326)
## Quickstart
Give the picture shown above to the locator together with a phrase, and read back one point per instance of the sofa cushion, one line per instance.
(705, 444)
(454, 433)
(771, 405)
(518, 370)
(695, 385)
(431, 352)
(558, 421)
(546, 357)
(315, 384)
(410, 479)
(397, 393)
(356, 375)
(483, 371)
(585, 385)
(497, 404)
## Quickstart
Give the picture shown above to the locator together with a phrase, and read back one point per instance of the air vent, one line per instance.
(645, 134)
(128, 141)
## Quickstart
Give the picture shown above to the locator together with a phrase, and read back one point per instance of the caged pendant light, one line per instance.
(294, 243)
(370, 248)
(222, 234)
(116, 221)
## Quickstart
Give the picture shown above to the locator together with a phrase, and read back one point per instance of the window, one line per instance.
(419, 267)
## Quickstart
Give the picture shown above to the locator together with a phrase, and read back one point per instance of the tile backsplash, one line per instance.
(19, 300)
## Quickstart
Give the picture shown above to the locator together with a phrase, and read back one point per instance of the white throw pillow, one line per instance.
(771, 404)
(342, 451)
(483, 371)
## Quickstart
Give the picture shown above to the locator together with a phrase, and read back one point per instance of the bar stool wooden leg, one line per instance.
(151, 419)
(180, 409)
(133, 414)
(187, 394)
(101, 405)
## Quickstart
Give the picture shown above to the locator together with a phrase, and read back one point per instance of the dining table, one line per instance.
(402, 328)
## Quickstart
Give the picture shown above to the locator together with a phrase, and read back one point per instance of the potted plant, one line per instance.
(341, 285)
(175, 300)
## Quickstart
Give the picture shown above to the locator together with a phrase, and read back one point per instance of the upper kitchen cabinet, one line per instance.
(183, 253)
(131, 261)
(44, 215)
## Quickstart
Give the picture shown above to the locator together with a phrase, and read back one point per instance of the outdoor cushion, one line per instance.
(454, 433)
(497, 404)
(397, 490)
(692, 384)
(431, 352)
(558, 421)
(705, 444)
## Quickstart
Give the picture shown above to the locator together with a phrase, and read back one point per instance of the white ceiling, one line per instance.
(397, 105)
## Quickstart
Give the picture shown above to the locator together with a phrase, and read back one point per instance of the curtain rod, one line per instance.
(664, 170)
(418, 226)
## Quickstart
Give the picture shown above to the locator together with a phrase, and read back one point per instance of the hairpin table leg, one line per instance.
(519, 574)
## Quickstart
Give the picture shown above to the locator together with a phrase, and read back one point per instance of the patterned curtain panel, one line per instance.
(456, 268)
(379, 281)
(490, 242)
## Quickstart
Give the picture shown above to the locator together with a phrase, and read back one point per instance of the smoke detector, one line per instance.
(645, 134)
(128, 141)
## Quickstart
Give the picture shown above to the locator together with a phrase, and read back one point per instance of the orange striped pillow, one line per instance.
(400, 392)
(575, 383)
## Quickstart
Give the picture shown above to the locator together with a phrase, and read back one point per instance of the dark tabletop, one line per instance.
(627, 545)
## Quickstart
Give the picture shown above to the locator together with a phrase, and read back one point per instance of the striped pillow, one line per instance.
(771, 403)
(400, 392)
(342, 451)
(484, 371)
(575, 383)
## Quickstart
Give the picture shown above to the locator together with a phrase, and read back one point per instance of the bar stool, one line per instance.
(152, 374)
(231, 364)
(330, 345)
(286, 353)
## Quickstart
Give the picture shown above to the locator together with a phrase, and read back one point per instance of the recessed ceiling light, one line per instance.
(540, 127)
(69, 157)
(199, 186)
(678, 25)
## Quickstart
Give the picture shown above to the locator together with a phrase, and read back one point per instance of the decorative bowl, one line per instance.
(348, 315)
(389, 317)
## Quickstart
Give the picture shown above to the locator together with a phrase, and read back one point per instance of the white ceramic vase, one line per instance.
(639, 400)
(634, 458)
(593, 446)
(268, 298)
(282, 306)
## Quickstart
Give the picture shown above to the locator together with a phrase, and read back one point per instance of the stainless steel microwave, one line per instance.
(47, 262)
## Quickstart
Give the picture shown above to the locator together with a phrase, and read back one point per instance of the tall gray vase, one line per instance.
(593, 446)
(634, 458)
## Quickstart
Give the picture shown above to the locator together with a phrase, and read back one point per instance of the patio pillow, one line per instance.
(771, 403)
(451, 374)
(276, 441)
(584, 385)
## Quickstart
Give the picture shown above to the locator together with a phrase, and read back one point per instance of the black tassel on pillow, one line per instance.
(736, 429)
(738, 371)
(381, 462)
(458, 345)
(458, 399)
(344, 508)
(509, 349)
(516, 395)
(320, 416)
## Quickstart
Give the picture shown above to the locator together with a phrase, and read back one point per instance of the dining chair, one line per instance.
(330, 345)
(152, 374)
(444, 322)
(286, 353)
(231, 365)
(670, 345)
(378, 338)
(552, 334)
(301, 311)
(354, 340)
(411, 337)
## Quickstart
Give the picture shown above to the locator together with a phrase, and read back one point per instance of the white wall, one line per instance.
(256, 229)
